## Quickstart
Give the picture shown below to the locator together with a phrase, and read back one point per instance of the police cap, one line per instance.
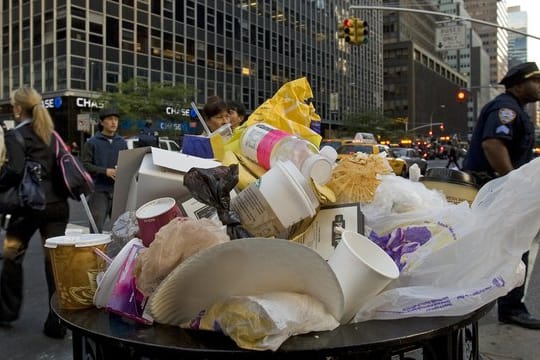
(103, 113)
(520, 73)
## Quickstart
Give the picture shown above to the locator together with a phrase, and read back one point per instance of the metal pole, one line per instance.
(441, 106)
(91, 108)
(451, 16)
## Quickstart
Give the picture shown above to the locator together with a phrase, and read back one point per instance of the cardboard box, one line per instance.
(322, 236)
(145, 174)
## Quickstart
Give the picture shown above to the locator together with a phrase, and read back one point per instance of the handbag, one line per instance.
(77, 181)
(29, 193)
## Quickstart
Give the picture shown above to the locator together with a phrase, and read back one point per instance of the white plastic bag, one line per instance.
(482, 264)
(264, 322)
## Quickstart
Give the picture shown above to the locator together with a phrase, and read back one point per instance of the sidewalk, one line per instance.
(506, 342)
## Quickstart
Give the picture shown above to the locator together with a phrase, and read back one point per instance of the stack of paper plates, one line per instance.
(250, 266)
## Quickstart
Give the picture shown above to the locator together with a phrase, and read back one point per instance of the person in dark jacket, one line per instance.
(36, 127)
(100, 157)
(503, 140)
(148, 136)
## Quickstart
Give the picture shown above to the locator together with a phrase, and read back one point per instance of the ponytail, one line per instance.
(30, 102)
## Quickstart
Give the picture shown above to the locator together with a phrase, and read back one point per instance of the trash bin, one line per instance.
(456, 185)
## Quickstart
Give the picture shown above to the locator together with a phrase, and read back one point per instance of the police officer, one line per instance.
(503, 140)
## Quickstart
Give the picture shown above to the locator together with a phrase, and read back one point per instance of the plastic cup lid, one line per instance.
(317, 167)
(329, 152)
(299, 182)
(78, 240)
(155, 207)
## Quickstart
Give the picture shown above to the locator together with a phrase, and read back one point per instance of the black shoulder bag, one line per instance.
(29, 193)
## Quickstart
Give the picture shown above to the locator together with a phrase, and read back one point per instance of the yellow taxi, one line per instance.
(335, 143)
(349, 148)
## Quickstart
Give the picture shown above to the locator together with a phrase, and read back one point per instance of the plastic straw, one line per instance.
(102, 255)
(89, 214)
(203, 123)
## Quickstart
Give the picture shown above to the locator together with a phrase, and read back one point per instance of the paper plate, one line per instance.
(249, 266)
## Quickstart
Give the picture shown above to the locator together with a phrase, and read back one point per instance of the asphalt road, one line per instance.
(24, 340)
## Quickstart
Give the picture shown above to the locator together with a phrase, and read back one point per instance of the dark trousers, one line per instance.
(100, 204)
(512, 302)
(51, 222)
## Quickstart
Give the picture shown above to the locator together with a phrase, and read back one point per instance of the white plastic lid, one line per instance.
(155, 207)
(318, 167)
(298, 180)
(81, 240)
(329, 152)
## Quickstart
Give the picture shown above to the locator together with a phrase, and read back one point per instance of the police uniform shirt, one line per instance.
(503, 118)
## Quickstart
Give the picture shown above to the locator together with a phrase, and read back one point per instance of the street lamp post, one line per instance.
(442, 106)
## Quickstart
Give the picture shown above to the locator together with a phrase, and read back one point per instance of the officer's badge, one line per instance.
(502, 129)
(507, 115)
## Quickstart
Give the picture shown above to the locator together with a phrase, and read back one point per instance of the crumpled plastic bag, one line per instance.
(123, 230)
(482, 264)
(173, 243)
(264, 322)
(287, 110)
(213, 187)
(396, 195)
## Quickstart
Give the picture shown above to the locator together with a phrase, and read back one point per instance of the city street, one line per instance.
(24, 340)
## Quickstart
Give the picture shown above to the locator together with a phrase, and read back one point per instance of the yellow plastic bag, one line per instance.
(286, 110)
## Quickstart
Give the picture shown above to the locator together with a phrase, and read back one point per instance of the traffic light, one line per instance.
(461, 96)
(345, 29)
(441, 127)
(359, 35)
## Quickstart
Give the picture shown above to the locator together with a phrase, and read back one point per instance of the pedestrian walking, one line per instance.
(36, 127)
(148, 136)
(503, 140)
(100, 157)
(452, 157)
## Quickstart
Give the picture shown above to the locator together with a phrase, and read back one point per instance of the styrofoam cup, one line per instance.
(363, 270)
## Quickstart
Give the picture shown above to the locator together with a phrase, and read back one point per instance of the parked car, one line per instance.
(164, 143)
(366, 138)
(411, 156)
(350, 148)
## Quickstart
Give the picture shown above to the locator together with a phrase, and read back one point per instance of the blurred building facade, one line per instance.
(518, 51)
(494, 39)
(70, 50)
(419, 86)
(472, 60)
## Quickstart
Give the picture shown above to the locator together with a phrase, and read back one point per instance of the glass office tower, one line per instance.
(242, 50)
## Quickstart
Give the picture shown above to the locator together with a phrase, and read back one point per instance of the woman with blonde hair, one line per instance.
(36, 128)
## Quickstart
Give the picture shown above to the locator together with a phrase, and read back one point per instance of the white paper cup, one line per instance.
(363, 270)
(75, 267)
(153, 215)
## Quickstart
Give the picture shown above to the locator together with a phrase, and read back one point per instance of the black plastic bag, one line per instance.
(213, 187)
